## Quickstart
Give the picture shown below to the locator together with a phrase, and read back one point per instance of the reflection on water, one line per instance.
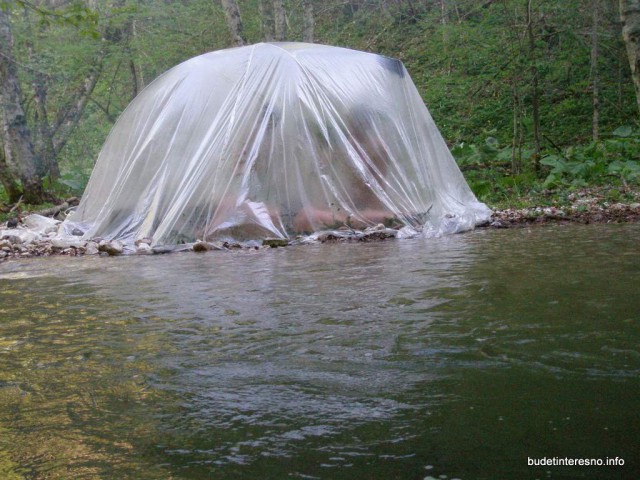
(459, 356)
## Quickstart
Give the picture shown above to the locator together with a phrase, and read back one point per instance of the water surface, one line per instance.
(460, 356)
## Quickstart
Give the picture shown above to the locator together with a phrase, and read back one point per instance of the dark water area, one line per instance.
(466, 357)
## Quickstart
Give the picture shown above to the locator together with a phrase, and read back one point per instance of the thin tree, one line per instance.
(595, 87)
(280, 20)
(308, 21)
(630, 16)
(137, 76)
(535, 93)
(8, 178)
(16, 134)
(265, 8)
(43, 140)
(445, 35)
(234, 22)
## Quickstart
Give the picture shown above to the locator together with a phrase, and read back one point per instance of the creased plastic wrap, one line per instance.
(275, 140)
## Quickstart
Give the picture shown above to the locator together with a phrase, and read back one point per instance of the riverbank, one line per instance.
(584, 206)
(588, 205)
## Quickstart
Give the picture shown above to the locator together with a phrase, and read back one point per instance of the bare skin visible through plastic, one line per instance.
(371, 153)
(370, 149)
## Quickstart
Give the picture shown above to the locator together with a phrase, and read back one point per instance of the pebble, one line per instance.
(145, 240)
(144, 249)
(91, 248)
(114, 247)
(66, 243)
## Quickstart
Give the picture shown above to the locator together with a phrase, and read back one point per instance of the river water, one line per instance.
(458, 357)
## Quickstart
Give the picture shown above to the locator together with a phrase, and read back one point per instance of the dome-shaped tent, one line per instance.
(272, 140)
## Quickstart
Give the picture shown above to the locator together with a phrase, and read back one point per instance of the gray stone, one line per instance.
(64, 243)
(145, 240)
(375, 228)
(144, 249)
(12, 239)
(19, 235)
(91, 248)
(112, 248)
(40, 224)
(163, 249)
(202, 246)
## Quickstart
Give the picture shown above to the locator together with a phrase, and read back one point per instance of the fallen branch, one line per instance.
(482, 166)
(53, 211)
(15, 207)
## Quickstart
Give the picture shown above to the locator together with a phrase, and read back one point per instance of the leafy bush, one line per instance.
(69, 183)
(596, 162)
(488, 170)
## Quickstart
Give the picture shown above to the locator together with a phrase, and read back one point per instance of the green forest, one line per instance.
(532, 96)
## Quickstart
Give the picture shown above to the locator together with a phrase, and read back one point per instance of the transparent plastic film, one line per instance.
(275, 140)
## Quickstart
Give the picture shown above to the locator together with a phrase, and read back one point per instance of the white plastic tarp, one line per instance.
(275, 140)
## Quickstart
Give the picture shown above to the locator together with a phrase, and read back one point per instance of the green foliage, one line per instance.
(596, 162)
(488, 169)
(75, 14)
(472, 63)
(485, 154)
(69, 183)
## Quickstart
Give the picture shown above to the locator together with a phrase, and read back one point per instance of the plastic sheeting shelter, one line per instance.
(275, 140)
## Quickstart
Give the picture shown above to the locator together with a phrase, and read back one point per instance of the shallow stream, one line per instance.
(458, 357)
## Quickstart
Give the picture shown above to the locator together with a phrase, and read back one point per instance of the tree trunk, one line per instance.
(234, 22)
(535, 94)
(280, 20)
(309, 23)
(595, 121)
(17, 136)
(516, 146)
(630, 16)
(8, 179)
(457, 10)
(443, 21)
(266, 17)
(134, 77)
(137, 76)
(69, 116)
(43, 138)
(445, 35)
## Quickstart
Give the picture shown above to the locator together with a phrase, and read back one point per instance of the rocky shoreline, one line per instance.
(37, 236)
(586, 212)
